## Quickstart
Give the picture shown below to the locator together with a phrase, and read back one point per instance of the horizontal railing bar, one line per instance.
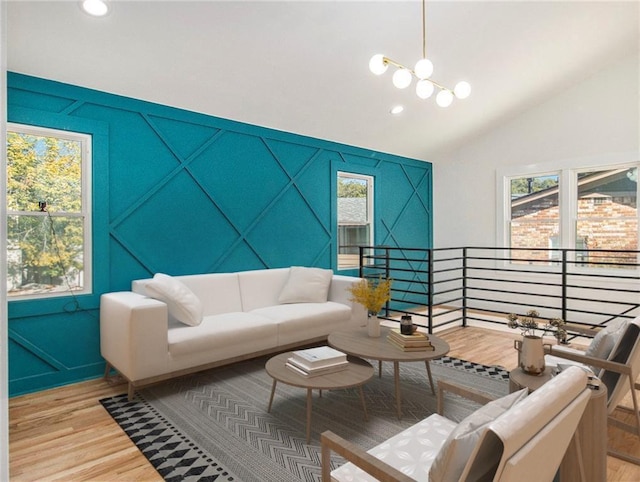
(443, 292)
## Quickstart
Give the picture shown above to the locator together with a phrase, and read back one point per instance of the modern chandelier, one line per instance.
(425, 85)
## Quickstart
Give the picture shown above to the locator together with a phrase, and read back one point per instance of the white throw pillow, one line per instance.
(456, 450)
(603, 343)
(183, 305)
(306, 285)
(605, 340)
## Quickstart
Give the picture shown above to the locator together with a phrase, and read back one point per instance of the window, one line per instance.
(573, 208)
(607, 215)
(355, 217)
(535, 216)
(48, 212)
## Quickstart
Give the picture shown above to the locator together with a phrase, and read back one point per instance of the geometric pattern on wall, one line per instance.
(191, 193)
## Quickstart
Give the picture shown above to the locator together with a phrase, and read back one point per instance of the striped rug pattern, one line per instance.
(213, 426)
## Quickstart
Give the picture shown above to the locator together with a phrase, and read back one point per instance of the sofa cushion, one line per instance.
(303, 321)
(306, 285)
(260, 288)
(182, 304)
(456, 450)
(228, 334)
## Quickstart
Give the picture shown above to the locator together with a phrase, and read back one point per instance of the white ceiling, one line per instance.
(302, 66)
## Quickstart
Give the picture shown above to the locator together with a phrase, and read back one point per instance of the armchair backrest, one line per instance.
(539, 428)
(627, 352)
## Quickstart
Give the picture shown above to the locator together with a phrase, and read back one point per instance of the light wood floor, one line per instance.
(65, 434)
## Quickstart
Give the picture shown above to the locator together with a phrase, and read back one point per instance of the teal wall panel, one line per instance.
(180, 192)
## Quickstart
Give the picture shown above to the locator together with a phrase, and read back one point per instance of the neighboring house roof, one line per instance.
(352, 210)
(613, 183)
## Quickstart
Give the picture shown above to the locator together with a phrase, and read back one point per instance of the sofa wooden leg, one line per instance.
(130, 392)
(107, 370)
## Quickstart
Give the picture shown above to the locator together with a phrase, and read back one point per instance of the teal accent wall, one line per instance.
(180, 192)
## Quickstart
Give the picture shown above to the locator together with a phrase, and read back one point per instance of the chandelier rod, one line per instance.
(424, 30)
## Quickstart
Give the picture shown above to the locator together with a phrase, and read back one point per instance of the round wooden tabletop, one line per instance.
(356, 373)
(359, 343)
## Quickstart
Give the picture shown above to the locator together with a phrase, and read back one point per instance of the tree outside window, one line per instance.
(47, 225)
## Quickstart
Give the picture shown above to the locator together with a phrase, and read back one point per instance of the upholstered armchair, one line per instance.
(504, 440)
(614, 356)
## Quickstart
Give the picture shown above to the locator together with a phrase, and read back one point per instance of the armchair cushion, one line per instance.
(182, 304)
(411, 451)
(456, 451)
(306, 285)
(603, 343)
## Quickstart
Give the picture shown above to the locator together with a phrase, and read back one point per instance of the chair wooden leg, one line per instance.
(634, 398)
(623, 456)
(627, 427)
(107, 370)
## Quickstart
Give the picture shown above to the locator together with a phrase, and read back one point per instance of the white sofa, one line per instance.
(146, 333)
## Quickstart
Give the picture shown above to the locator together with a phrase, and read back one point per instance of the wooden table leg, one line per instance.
(273, 391)
(309, 392)
(379, 368)
(396, 377)
(433, 390)
(364, 405)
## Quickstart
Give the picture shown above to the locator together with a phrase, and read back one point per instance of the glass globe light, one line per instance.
(444, 98)
(97, 8)
(424, 89)
(462, 90)
(402, 78)
(377, 65)
(397, 109)
(423, 69)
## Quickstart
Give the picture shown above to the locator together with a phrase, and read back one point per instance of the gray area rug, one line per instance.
(214, 425)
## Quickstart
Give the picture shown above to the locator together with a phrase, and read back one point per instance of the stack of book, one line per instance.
(415, 342)
(320, 360)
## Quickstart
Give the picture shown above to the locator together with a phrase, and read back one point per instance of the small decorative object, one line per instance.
(531, 348)
(406, 325)
(373, 296)
(373, 326)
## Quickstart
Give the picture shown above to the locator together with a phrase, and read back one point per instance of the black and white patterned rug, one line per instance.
(213, 426)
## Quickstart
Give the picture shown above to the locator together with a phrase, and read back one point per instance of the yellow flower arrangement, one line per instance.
(371, 295)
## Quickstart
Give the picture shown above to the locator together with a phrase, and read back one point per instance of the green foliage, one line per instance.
(351, 187)
(44, 169)
(528, 185)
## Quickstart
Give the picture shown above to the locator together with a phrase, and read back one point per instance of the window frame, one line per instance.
(370, 180)
(85, 213)
(568, 171)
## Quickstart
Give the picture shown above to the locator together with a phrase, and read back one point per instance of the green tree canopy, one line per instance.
(50, 244)
(348, 187)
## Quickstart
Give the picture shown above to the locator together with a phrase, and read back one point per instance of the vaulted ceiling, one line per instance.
(302, 66)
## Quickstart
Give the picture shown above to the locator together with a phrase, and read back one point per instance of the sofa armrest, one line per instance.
(134, 334)
(357, 456)
(339, 293)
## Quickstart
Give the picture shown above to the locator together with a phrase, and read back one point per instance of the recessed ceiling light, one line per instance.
(397, 109)
(97, 8)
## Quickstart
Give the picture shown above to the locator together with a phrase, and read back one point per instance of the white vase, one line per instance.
(373, 326)
(530, 354)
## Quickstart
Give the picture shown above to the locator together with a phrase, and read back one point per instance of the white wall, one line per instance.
(597, 117)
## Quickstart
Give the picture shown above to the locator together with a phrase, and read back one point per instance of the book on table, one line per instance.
(307, 371)
(408, 347)
(320, 356)
(413, 340)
